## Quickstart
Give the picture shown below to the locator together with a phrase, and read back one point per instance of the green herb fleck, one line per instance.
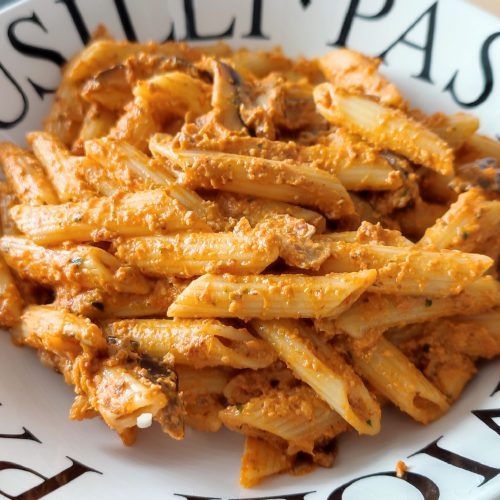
(78, 261)
(98, 305)
(77, 217)
(428, 302)
(239, 408)
(369, 422)
(426, 348)
(465, 235)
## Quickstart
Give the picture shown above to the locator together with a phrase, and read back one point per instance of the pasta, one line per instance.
(202, 237)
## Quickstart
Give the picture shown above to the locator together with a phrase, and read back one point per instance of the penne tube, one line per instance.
(408, 270)
(201, 395)
(121, 395)
(374, 314)
(66, 113)
(270, 296)
(347, 68)
(26, 176)
(194, 254)
(276, 180)
(357, 165)
(297, 415)
(174, 94)
(80, 266)
(255, 210)
(204, 380)
(367, 233)
(467, 225)
(96, 123)
(316, 363)
(384, 127)
(98, 304)
(455, 129)
(136, 125)
(262, 459)
(11, 303)
(124, 157)
(484, 147)
(59, 332)
(197, 343)
(101, 219)
(60, 167)
(7, 200)
(392, 374)
(102, 54)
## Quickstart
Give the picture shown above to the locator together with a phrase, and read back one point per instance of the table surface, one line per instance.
(490, 5)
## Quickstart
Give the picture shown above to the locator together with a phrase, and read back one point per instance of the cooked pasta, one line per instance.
(205, 237)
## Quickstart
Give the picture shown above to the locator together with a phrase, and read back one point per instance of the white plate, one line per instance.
(462, 46)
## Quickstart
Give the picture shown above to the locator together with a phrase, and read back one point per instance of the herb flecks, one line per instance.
(77, 261)
(428, 302)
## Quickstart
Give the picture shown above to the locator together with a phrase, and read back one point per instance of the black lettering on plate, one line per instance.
(451, 458)
(26, 434)
(191, 30)
(33, 51)
(49, 484)
(193, 497)
(487, 416)
(497, 388)
(353, 13)
(125, 20)
(256, 30)
(487, 75)
(24, 110)
(423, 484)
(426, 48)
(77, 19)
(289, 496)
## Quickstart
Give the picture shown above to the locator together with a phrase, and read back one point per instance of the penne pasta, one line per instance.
(374, 314)
(408, 270)
(455, 129)
(59, 332)
(11, 302)
(194, 254)
(60, 167)
(174, 94)
(392, 374)
(100, 219)
(7, 200)
(261, 459)
(281, 181)
(96, 303)
(123, 157)
(314, 362)
(197, 343)
(80, 266)
(347, 68)
(96, 123)
(467, 225)
(270, 296)
(26, 176)
(384, 127)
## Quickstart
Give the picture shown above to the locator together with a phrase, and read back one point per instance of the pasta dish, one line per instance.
(205, 237)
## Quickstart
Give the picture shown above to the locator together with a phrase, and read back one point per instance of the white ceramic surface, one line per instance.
(454, 39)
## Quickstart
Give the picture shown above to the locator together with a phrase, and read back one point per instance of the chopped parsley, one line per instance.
(465, 235)
(77, 261)
(428, 302)
(369, 422)
(239, 408)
